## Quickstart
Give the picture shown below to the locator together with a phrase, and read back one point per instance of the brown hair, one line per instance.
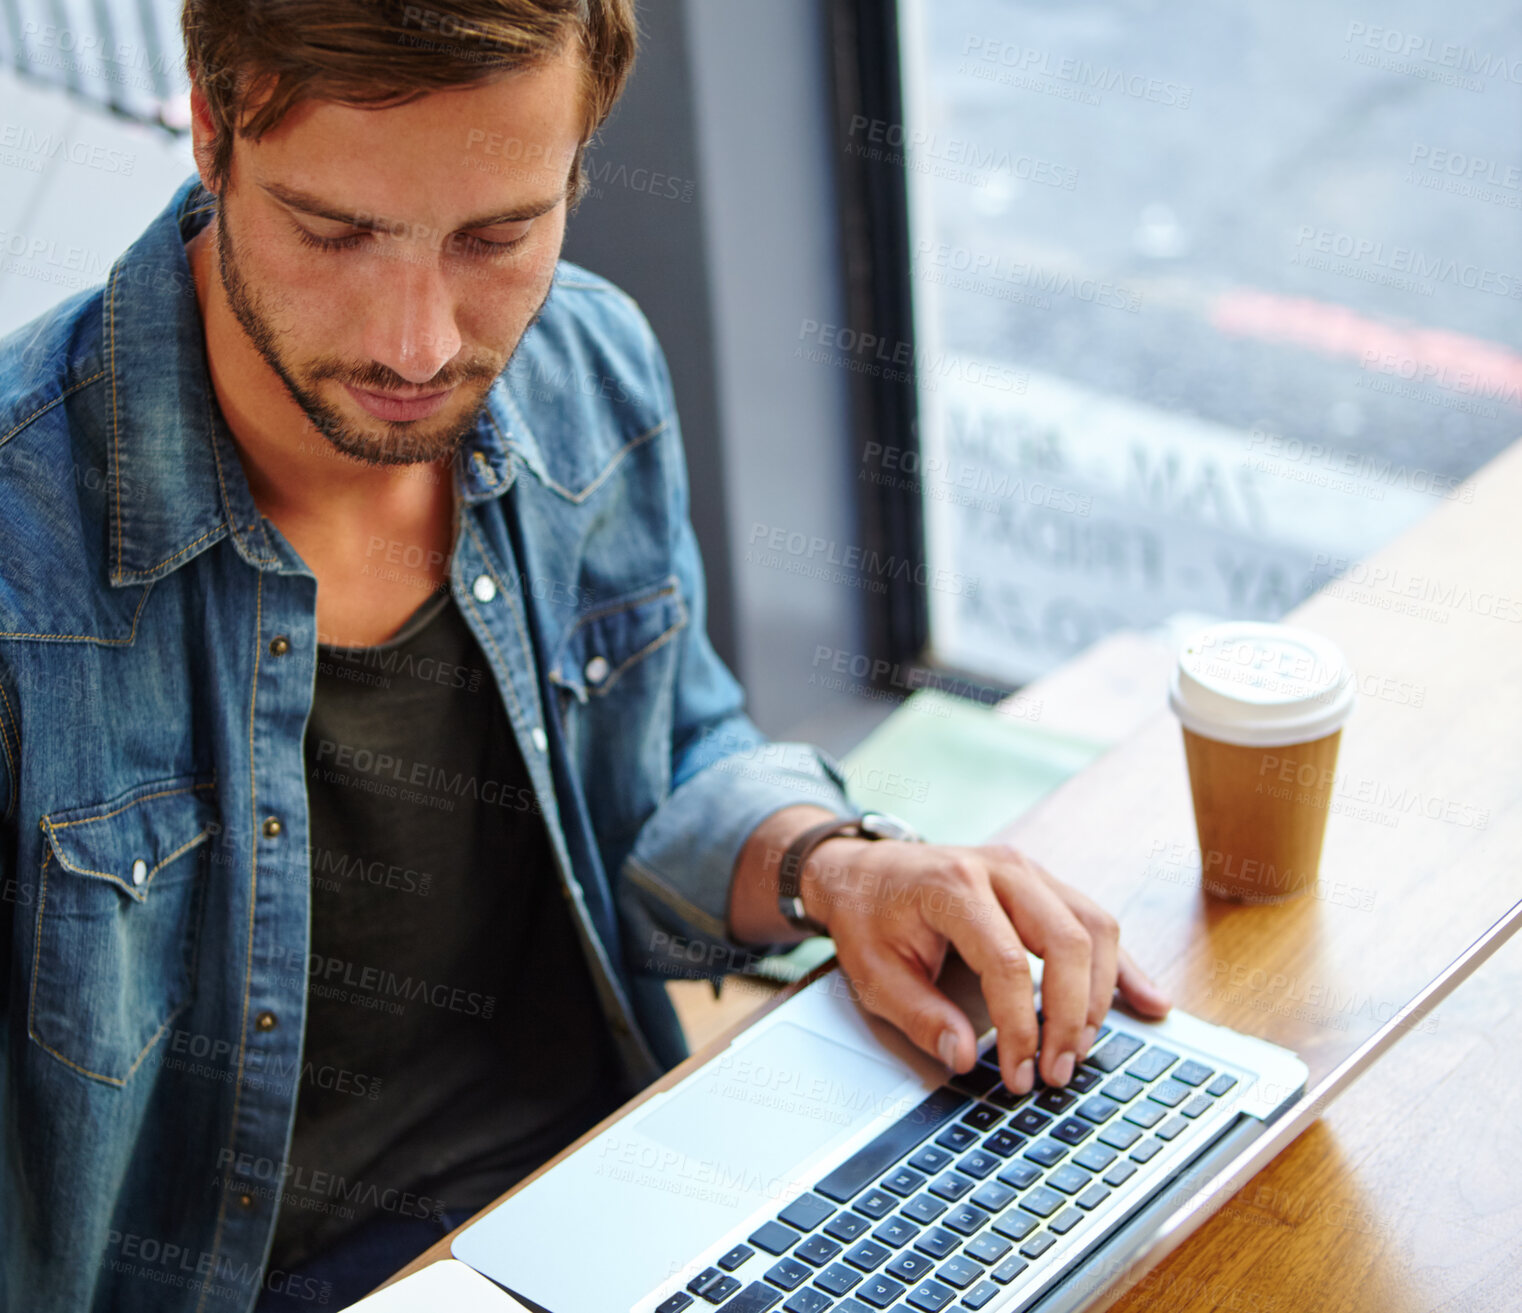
(386, 52)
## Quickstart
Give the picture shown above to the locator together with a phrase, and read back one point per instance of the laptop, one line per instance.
(820, 1163)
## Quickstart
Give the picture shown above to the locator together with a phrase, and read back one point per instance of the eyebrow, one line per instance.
(296, 199)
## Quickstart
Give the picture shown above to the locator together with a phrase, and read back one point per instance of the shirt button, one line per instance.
(272, 827)
(245, 1201)
(279, 645)
(266, 1021)
(597, 669)
(139, 871)
(484, 588)
(541, 740)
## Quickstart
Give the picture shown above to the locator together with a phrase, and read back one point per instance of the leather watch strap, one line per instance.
(790, 874)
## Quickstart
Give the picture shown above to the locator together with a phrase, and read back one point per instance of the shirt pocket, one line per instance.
(118, 923)
(616, 672)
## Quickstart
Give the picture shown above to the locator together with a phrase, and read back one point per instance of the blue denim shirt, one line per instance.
(157, 656)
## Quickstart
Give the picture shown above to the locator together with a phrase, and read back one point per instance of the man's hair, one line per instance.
(279, 53)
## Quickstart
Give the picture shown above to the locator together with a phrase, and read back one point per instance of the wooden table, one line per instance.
(1407, 1195)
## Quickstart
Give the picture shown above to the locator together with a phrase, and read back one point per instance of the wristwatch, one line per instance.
(869, 825)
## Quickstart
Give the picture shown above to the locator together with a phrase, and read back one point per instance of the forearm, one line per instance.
(753, 914)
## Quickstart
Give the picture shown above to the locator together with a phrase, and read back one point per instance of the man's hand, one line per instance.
(894, 908)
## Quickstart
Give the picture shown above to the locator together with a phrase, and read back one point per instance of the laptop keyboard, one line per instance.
(968, 1191)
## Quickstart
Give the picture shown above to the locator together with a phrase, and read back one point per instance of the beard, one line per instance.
(372, 441)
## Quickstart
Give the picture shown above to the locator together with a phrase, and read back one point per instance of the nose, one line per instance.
(411, 325)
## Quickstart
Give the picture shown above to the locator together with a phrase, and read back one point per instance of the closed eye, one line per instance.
(458, 243)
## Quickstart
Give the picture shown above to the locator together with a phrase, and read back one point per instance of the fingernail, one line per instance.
(1062, 1073)
(946, 1046)
(1025, 1077)
(1086, 1040)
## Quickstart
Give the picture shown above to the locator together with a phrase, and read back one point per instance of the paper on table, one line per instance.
(447, 1285)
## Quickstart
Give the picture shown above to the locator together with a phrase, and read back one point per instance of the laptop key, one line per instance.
(1174, 1127)
(1098, 1109)
(918, 1124)
(980, 1294)
(924, 1208)
(789, 1273)
(1055, 1101)
(1030, 1122)
(1072, 1130)
(1094, 1196)
(1170, 1093)
(1199, 1104)
(956, 1138)
(1093, 1158)
(675, 1304)
(721, 1290)
(1043, 1201)
(931, 1159)
(806, 1212)
(1084, 1080)
(1015, 1224)
(931, 1296)
(993, 1196)
(982, 1117)
(1046, 1152)
(1122, 1135)
(964, 1219)
(896, 1232)
(951, 1185)
(903, 1182)
(1068, 1179)
(1123, 1088)
(846, 1227)
(1066, 1221)
(1120, 1173)
(837, 1279)
(961, 1272)
(1152, 1064)
(1004, 1142)
(1019, 1176)
(978, 1081)
(1037, 1245)
(1114, 1051)
(774, 1238)
(817, 1250)
(1193, 1073)
(807, 1300)
(868, 1255)
(978, 1164)
(1145, 1153)
(878, 1291)
(706, 1279)
(937, 1242)
(1004, 1097)
(755, 1298)
(987, 1248)
(737, 1256)
(1146, 1114)
(1009, 1269)
(910, 1266)
(1220, 1084)
(875, 1203)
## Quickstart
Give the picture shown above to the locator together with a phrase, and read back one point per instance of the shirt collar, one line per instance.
(169, 443)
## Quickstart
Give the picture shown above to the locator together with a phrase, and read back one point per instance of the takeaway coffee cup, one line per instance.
(1262, 708)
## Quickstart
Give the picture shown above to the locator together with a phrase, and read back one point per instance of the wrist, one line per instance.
(825, 876)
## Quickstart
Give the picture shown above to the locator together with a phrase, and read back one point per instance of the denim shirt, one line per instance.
(158, 647)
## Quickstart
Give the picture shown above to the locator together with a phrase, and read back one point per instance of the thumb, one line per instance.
(902, 993)
(1137, 988)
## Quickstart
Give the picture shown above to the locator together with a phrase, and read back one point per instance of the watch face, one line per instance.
(882, 826)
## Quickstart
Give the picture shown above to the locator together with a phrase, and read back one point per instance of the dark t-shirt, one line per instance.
(453, 1035)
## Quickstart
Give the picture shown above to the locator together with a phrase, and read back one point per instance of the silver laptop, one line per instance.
(822, 1163)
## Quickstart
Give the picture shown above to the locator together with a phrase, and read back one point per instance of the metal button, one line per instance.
(266, 1021)
(139, 871)
(245, 1201)
(597, 669)
(272, 827)
(541, 740)
(484, 588)
(279, 645)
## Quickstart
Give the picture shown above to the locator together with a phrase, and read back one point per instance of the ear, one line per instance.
(202, 135)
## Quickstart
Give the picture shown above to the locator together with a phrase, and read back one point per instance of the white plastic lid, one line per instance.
(1261, 685)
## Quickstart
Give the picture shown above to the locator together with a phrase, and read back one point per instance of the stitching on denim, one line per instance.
(617, 458)
(7, 727)
(139, 574)
(139, 892)
(116, 421)
(232, 525)
(646, 878)
(96, 638)
(126, 806)
(253, 908)
(43, 410)
(668, 585)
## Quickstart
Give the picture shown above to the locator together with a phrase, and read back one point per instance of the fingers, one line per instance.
(1138, 989)
(1104, 939)
(992, 946)
(906, 997)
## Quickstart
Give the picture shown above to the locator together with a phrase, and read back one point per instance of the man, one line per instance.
(364, 764)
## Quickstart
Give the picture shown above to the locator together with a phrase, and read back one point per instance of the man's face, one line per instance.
(385, 263)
